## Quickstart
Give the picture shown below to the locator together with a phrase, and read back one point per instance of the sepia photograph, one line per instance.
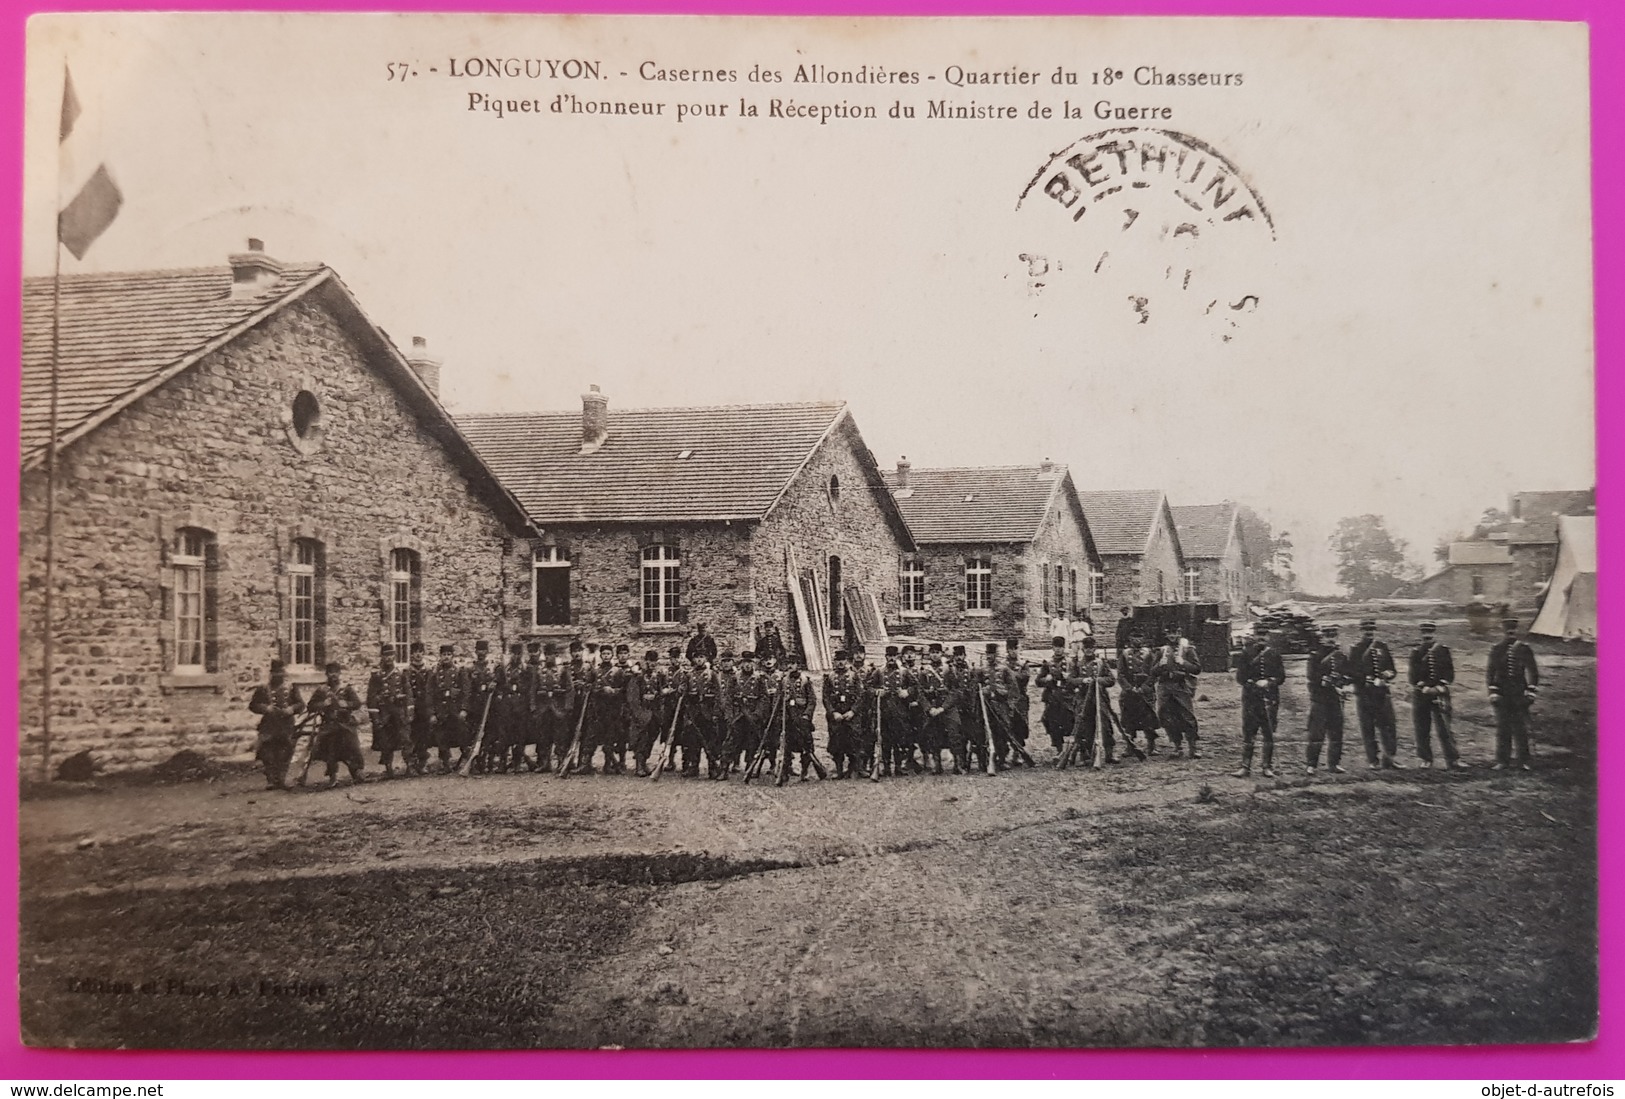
(696, 532)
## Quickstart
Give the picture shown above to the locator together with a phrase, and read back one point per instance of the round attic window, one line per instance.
(307, 414)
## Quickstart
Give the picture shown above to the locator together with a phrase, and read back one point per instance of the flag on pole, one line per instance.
(97, 200)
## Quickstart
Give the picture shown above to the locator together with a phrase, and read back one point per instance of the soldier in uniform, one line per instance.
(935, 701)
(800, 700)
(984, 718)
(961, 684)
(702, 644)
(700, 719)
(864, 741)
(894, 688)
(553, 701)
(417, 681)
(729, 702)
(607, 715)
(482, 687)
(389, 706)
(1432, 671)
(1060, 705)
(620, 733)
(1373, 671)
(1088, 680)
(584, 672)
(446, 700)
(1173, 671)
(277, 702)
(643, 709)
(843, 703)
(1514, 684)
(336, 706)
(1137, 692)
(1328, 673)
(1125, 627)
(1260, 673)
(769, 643)
(510, 713)
(762, 709)
(915, 710)
(1019, 704)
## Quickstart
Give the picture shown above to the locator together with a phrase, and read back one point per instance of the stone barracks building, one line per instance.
(248, 467)
(1135, 532)
(652, 520)
(1005, 552)
(1216, 563)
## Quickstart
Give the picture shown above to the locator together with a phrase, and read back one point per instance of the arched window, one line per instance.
(307, 597)
(191, 562)
(836, 604)
(834, 489)
(405, 600)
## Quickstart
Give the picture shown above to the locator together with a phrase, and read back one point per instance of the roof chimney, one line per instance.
(253, 272)
(1046, 467)
(903, 466)
(425, 365)
(594, 419)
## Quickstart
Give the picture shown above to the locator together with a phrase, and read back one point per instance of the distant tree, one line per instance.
(1371, 562)
(1281, 560)
(1493, 520)
(1441, 549)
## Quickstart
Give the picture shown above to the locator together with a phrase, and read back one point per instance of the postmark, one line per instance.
(1147, 224)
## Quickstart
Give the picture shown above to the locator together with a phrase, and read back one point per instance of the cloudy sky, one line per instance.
(1408, 333)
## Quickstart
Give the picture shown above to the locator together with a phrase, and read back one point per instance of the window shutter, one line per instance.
(925, 586)
(902, 582)
(211, 607)
(635, 608)
(964, 585)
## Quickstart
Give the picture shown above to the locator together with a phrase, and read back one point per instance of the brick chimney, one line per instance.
(253, 272)
(424, 364)
(903, 487)
(1046, 467)
(594, 419)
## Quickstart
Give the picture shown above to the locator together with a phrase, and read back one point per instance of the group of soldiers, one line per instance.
(1369, 673)
(591, 707)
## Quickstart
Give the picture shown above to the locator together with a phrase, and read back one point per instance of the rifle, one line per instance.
(467, 765)
(761, 745)
(874, 760)
(310, 748)
(574, 754)
(784, 739)
(987, 730)
(671, 741)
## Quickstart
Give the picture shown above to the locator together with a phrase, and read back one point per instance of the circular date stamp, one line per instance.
(1148, 223)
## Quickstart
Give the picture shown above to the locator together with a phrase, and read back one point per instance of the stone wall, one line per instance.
(945, 617)
(1532, 565)
(214, 449)
(1061, 542)
(1455, 584)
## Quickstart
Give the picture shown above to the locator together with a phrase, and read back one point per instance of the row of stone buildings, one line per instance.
(1513, 562)
(249, 467)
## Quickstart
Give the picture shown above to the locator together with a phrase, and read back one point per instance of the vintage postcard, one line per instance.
(611, 532)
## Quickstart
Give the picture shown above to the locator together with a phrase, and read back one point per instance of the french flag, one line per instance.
(96, 198)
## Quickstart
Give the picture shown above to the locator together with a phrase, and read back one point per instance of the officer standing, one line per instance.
(336, 705)
(389, 706)
(843, 698)
(417, 680)
(1514, 683)
(935, 700)
(1060, 705)
(277, 703)
(1328, 674)
(1373, 665)
(448, 707)
(482, 685)
(1174, 673)
(1432, 671)
(1260, 673)
(554, 700)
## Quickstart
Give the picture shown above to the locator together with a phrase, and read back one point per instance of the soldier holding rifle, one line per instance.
(843, 709)
(1088, 679)
(277, 702)
(1060, 703)
(446, 696)
(389, 706)
(336, 706)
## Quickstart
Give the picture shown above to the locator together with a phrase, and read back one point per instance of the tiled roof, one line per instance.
(656, 464)
(1536, 513)
(1122, 518)
(985, 504)
(1479, 553)
(1204, 529)
(124, 333)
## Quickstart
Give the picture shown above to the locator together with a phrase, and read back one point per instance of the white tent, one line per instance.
(1570, 609)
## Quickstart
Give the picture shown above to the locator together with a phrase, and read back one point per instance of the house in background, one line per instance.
(652, 520)
(1475, 571)
(1532, 538)
(1217, 567)
(223, 433)
(1135, 533)
(1004, 552)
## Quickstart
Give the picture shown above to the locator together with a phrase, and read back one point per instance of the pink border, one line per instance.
(1597, 1060)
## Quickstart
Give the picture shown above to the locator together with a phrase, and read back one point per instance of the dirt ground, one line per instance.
(1161, 903)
